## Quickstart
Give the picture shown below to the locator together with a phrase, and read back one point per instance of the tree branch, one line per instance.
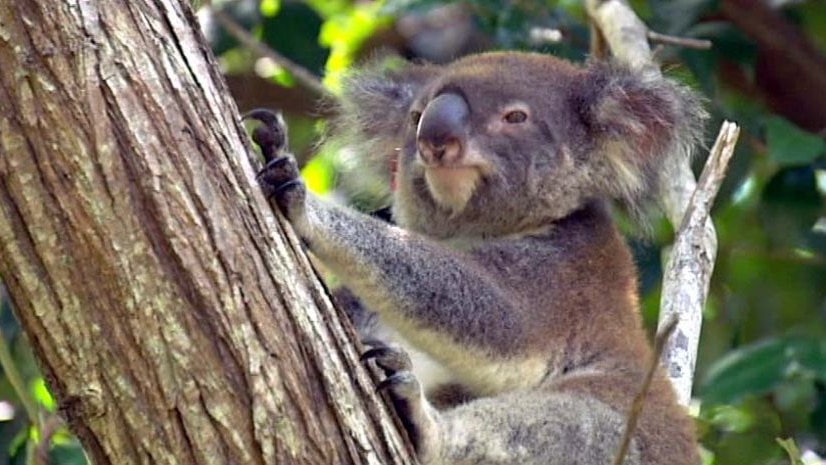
(627, 37)
(174, 321)
(687, 42)
(688, 272)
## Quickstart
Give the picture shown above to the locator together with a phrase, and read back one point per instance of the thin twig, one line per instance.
(687, 42)
(301, 74)
(639, 401)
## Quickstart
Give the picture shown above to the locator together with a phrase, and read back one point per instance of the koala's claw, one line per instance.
(280, 180)
(271, 136)
(390, 359)
(281, 190)
(408, 399)
(279, 170)
(402, 385)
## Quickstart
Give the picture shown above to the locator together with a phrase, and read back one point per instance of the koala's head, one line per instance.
(502, 143)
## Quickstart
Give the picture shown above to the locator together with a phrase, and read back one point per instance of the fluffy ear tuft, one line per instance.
(373, 112)
(637, 121)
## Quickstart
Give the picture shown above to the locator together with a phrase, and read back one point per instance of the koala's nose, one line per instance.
(443, 129)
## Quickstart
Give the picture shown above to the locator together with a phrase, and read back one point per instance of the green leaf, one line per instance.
(674, 16)
(68, 454)
(790, 205)
(246, 14)
(319, 175)
(345, 33)
(270, 7)
(294, 32)
(733, 418)
(790, 145)
(42, 395)
(760, 367)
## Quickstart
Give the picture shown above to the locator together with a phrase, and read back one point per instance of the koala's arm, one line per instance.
(406, 277)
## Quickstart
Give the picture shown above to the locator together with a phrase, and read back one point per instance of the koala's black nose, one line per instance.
(443, 129)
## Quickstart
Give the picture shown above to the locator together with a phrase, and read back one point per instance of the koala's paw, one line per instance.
(390, 359)
(280, 180)
(405, 391)
(271, 135)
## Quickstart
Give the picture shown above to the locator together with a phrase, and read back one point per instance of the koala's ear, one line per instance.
(636, 121)
(373, 110)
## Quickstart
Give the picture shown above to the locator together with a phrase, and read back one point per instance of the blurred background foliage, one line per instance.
(761, 375)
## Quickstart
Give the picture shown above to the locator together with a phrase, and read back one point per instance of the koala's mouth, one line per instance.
(452, 186)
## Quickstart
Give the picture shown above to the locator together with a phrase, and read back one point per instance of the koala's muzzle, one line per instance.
(442, 130)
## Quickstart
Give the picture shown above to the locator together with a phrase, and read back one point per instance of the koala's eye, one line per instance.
(415, 116)
(515, 117)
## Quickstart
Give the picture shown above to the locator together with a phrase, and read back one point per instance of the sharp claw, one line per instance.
(276, 193)
(264, 115)
(272, 163)
(275, 162)
(387, 383)
(272, 135)
(373, 353)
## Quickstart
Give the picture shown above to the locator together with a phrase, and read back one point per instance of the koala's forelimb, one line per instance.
(435, 275)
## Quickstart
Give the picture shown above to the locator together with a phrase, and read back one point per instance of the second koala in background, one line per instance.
(505, 268)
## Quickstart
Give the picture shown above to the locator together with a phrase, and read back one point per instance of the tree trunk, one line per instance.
(175, 321)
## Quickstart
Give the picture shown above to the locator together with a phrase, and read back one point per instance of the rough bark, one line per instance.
(175, 321)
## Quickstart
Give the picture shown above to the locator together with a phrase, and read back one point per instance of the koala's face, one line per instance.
(489, 147)
(505, 143)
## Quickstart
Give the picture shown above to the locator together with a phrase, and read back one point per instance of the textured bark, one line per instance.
(175, 321)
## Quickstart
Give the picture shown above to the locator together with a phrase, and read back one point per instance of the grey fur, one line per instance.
(506, 267)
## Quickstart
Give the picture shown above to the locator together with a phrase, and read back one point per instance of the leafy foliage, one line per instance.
(761, 373)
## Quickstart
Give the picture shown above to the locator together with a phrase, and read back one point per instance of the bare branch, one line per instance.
(686, 42)
(623, 30)
(689, 268)
(627, 38)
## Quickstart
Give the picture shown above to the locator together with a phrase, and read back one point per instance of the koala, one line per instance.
(504, 266)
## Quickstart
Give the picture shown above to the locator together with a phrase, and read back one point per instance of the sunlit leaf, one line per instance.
(42, 395)
(270, 7)
(319, 175)
(345, 33)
